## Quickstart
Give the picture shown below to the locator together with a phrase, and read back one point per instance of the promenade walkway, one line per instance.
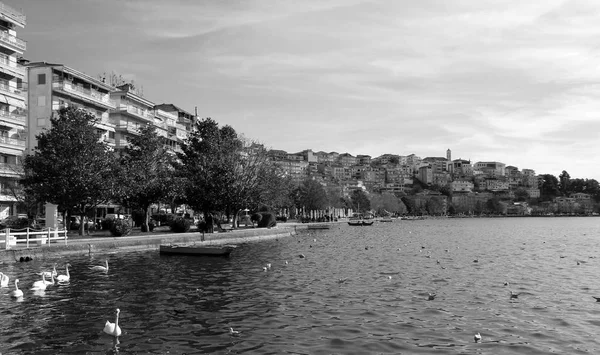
(102, 241)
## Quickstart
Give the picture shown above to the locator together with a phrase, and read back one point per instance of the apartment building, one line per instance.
(54, 86)
(491, 168)
(131, 112)
(178, 123)
(13, 107)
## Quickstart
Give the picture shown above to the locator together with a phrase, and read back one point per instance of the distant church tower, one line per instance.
(449, 155)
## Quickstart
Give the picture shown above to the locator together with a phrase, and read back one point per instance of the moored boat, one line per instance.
(195, 249)
(358, 219)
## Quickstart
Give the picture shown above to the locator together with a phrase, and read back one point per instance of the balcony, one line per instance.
(11, 90)
(17, 119)
(13, 14)
(10, 169)
(123, 143)
(91, 96)
(12, 142)
(137, 112)
(110, 141)
(166, 115)
(12, 68)
(130, 127)
(12, 42)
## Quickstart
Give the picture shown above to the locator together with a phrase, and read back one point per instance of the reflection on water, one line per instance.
(360, 290)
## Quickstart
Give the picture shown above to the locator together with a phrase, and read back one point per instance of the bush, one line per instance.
(256, 218)
(180, 225)
(267, 220)
(15, 222)
(118, 227)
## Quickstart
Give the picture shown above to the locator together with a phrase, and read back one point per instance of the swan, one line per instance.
(40, 285)
(477, 338)
(100, 268)
(3, 280)
(50, 273)
(113, 328)
(51, 282)
(16, 293)
(64, 278)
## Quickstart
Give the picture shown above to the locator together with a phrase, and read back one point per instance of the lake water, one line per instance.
(359, 290)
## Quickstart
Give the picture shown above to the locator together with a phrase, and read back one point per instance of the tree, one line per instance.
(521, 195)
(564, 180)
(146, 171)
(549, 188)
(71, 167)
(435, 206)
(312, 195)
(360, 201)
(275, 188)
(222, 171)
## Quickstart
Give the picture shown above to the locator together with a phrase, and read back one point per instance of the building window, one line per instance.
(41, 100)
(41, 122)
(111, 134)
(4, 159)
(41, 79)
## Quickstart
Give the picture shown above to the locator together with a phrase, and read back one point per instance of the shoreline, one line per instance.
(92, 245)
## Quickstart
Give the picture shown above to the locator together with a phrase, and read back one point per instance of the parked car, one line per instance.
(76, 223)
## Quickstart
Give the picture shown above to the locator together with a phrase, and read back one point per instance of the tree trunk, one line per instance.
(145, 227)
(234, 221)
(81, 224)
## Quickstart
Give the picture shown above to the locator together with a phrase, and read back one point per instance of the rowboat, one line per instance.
(193, 249)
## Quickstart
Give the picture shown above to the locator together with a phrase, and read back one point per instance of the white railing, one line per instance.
(12, 40)
(12, 141)
(14, 237)
(94, 95)
(13, 116)
(12, 66)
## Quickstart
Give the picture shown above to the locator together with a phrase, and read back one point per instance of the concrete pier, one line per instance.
(150, 241)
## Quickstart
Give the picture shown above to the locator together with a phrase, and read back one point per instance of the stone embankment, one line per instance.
(92, 245)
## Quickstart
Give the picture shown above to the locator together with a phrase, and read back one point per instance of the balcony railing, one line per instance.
(20, 119)
(12, 141)
(12, 68)
(145, 114)
(130, 127)
(6, 168)
(89, 94)
(166, 115)
(13, 14)
(11, 90)
(13, 41)
(109, 140)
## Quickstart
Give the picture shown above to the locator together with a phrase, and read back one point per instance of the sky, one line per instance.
(511, 81)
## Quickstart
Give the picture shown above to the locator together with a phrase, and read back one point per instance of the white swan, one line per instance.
(64, 278)
(113, 328)
(40, 285)
(3, 280)
(50, 273)
(100, 268)
(16, 293)
(51, 282)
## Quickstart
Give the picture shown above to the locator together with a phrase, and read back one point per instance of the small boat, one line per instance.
(357, 219)
(194, 249)
(386, 219)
